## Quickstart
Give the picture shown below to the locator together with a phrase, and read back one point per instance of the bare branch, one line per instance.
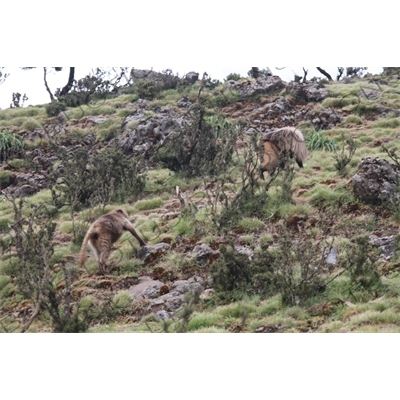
(323, 72)
(46, 85)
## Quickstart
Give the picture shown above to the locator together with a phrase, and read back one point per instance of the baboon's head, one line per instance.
(122, 212)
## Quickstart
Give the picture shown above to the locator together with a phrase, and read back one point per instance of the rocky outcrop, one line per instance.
(165, 79)
(143, 130)
(324, 119)
(386, 245)
(249, 88)
(305, 92)
(163, 306)
(26, 184)
(377, 182)
(150, 253)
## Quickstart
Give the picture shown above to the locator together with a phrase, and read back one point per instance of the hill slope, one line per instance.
(226, 252)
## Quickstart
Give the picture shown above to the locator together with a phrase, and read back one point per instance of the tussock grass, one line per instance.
(151, 204)
(203, 320)
(31, 124)
(387, 123)
(251, 224)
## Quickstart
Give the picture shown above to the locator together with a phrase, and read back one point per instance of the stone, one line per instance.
(377, 182)
(145, 252)
(146, 288)
(249, 88)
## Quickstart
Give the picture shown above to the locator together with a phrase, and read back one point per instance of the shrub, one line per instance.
(146, 89)
(199, 147)
(297, 270)
(101, 178)
(54, 108)
(233, 77)
(344, 155)
(361, 263)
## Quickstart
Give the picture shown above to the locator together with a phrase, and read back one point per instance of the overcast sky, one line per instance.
(31, 82)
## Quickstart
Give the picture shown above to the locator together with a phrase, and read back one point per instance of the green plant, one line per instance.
(199, 147)
(6, 178)
(344, 155)
(30, 125)
(54, 108)
(232, 77)
(361, 262)
(318, 141)
(33, 275)
(146, 89)
(9, 145)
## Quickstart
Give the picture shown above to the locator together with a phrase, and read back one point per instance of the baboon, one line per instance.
(279, 143)
(103, 233)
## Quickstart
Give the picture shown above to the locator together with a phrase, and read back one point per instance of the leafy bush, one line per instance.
(361, 263)
(297, 270)
(84, 179)
(344, 155)
(54, 108)
(146, 89)
(199, 147)
(232, 77)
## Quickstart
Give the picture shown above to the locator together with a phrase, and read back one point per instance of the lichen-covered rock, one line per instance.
(306, 92)
(386, 244)
(251, 88)
(377, 182)
(141, 131)
(151, 252)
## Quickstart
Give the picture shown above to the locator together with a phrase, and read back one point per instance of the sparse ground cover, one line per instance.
(317, 200)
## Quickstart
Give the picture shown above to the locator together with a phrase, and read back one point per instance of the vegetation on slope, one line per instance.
(290, 222)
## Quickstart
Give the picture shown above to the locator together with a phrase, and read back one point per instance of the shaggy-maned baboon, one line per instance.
(279, 143)
(103, 233)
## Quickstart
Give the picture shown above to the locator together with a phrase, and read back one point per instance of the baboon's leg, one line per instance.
(261, 173)
(104, 251)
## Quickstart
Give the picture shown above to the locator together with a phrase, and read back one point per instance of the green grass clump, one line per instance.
(31, 124)
(16, 164)
(4, 224)
(5, 178)
(4, 281)
(250, 224)
(339, 102)
(109, 132)
(351, 120)
(203, 320)
(318, 141)
(9, 144)
(150, 204)
(387, 123)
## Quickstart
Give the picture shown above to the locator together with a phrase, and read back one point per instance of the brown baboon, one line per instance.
(278, 143)
(103, 233)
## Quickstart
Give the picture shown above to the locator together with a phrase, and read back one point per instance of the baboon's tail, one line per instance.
(82, 254)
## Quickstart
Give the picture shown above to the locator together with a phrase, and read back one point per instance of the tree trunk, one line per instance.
(324, 73)
(68, 86)
(46, 85)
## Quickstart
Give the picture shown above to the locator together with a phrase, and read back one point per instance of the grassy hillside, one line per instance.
(273, 236)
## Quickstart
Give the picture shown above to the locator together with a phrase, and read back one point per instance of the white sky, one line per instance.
(31, 81)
